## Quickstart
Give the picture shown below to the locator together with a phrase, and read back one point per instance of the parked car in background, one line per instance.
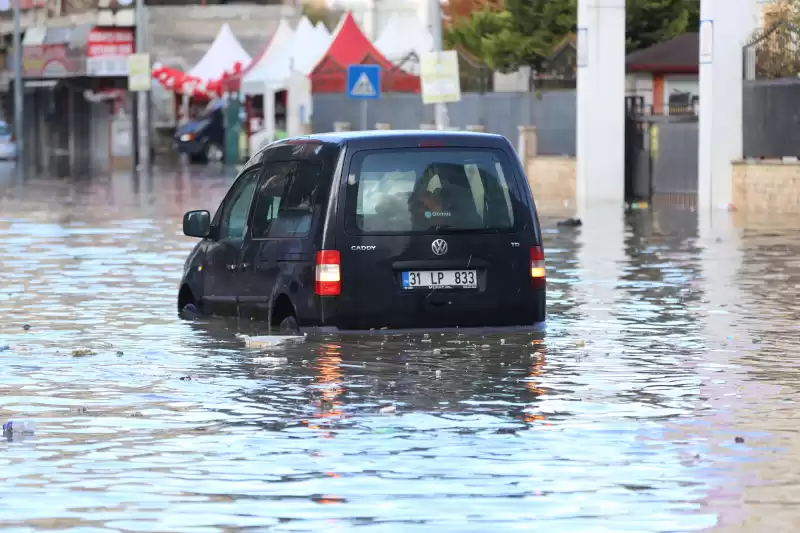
(8, 145)
(373, 231)
(203, 138)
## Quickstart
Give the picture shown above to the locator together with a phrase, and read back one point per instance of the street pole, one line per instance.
(142, 97)
(440, 110)
(19, 130)
(364, 124)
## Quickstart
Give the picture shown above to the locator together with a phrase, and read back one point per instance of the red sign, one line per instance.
(110, 43)
(32, 4)
(46, 61)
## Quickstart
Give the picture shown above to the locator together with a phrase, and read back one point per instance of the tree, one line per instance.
(649, 22)
(522, 34)
(317, 11)
(455, 10)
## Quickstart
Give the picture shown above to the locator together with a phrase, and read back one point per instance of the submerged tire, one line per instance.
(289, 326)
(191, 310)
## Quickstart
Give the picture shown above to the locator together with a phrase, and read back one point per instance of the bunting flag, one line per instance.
(181, 83)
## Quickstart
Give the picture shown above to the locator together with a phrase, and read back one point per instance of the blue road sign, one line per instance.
(364, 82)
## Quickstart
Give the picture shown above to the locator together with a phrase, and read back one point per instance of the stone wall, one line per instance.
(552, 178)
(766, 187)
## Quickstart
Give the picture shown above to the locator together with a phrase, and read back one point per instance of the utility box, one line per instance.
(233, 127)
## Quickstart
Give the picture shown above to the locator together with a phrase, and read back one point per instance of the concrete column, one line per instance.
(383, 126)
(269, 112)
(528, 144)
(725, 26)
(601, 103)
(342, 126)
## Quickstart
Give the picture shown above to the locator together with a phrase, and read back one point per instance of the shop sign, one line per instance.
(47, 61)
(107, 52)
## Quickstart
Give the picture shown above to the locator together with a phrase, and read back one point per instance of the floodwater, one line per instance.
(662, 398)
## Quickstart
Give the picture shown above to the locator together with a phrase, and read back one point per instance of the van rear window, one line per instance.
(429, 190)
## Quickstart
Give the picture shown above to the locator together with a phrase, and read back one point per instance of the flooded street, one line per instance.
(662, 397)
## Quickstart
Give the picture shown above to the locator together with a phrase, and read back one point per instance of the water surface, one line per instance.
(665, 343)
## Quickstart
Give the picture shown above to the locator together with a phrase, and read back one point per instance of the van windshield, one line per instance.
(429, 190)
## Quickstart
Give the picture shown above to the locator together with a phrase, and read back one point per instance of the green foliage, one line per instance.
(649, 22)
(525, 32)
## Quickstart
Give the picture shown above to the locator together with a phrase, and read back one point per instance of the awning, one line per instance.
(59, 53)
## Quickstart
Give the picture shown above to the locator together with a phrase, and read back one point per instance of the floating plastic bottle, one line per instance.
(19, 427)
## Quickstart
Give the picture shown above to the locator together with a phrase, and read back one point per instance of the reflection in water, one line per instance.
(622, 419)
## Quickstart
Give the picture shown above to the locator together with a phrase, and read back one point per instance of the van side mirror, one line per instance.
(197, 224)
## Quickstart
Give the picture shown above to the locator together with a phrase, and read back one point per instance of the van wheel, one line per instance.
(187, 305)
(289, 326)
(214, 153)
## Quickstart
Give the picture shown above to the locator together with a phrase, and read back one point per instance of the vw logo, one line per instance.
(439, 246)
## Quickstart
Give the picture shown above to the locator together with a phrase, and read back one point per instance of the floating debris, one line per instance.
(82, 352)
(26, 327)
(570, 223)
(438, 374)
(270, 360)
(388, 410)
(739, 440)
(270, 341)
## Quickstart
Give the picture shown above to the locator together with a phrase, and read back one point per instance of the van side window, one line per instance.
(299, 203)
(287, 199)
(269, 195)
(237, 205)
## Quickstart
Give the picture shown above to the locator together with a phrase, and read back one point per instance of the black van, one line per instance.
(368, 231)
(204, 137)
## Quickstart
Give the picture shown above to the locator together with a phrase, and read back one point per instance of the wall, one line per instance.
(553, 114)
(640, 84)
(768, 129)
(766, 187)
(516, 81)
(552, 181)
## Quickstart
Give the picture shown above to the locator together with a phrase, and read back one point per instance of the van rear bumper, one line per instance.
(332, 330)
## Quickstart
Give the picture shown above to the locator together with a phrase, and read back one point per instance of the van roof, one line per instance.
(390, 138)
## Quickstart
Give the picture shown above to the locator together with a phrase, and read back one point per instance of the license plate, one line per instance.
(440, 279)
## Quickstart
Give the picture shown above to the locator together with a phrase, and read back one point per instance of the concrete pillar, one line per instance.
(269, 112)
(725, 26)
(528, 144)
(342, 126)
(383, 126)
(427, 127)
(601, 103)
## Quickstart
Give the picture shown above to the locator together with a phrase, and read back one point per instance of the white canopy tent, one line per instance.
(322, 29)
(298, 56)
(402, 37)
(224, 52)
(283, 36)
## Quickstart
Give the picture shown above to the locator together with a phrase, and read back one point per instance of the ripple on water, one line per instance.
(661, 347)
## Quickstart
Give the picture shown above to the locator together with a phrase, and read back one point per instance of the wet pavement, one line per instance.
(662, 398)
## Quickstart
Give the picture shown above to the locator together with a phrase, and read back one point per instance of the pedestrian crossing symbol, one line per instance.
(364, 82)
(363, 86)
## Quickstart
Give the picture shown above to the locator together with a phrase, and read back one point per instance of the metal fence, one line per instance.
(771, 118)
(552, 112)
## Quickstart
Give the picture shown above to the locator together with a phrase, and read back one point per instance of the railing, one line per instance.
(771, 93)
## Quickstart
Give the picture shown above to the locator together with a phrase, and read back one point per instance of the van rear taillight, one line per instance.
(538, 274)
(328, 273)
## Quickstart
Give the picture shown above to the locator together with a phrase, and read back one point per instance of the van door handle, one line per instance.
(230, 267)
(244, 266)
